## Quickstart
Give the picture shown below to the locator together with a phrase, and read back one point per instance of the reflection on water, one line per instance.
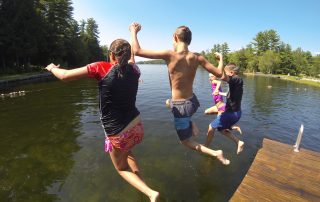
(52, 142)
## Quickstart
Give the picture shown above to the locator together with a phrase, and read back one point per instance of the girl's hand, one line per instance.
(51, 66)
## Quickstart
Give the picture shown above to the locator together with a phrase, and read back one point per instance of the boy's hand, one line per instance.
(218, 56)
(135, 27)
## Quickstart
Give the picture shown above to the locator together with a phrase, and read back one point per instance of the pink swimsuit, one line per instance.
(218, 98)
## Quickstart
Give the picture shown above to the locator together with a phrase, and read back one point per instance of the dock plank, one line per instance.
(280, 174)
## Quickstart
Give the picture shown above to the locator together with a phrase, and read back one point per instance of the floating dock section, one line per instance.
(280, 174)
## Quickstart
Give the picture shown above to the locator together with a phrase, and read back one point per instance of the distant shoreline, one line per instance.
(8, 81)
(18, 79)
(302, 80)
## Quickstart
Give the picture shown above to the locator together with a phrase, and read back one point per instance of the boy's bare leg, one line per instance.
(210, 135)
(237, 128)
(240, 144)
(120, 161)
(195, 129)
(205, 150)
(211, 110)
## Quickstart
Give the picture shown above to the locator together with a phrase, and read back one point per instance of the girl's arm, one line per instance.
(67, 75)
(216, 91)
(223, 94)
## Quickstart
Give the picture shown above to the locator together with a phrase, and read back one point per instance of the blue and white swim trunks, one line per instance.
(182, 112)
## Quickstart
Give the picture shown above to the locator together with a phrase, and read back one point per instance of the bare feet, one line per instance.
(221, 158)
(195, 129)
(240, 146)
(237, 128)
(154, 197)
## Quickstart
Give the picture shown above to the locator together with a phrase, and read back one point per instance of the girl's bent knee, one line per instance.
(121, 167)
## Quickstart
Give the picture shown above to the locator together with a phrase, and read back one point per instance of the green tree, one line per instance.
(300, 61)
(240, 58)
(252, 59)
(286, 58)
(225, 51)
(75, 49)
(315, 68)
(58, 16)
(105, 50)
(269, 61)
(92, 34)
(266, 40)
(21, 33)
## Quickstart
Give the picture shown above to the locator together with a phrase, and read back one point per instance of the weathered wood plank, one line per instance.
(280, 174)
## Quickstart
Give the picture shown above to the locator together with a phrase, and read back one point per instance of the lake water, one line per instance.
(52, 144)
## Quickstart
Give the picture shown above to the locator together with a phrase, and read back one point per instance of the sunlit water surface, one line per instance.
(51, 146)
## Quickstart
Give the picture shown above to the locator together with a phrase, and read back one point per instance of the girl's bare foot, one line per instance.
(221, 158)
(154, 196)
(240, 146)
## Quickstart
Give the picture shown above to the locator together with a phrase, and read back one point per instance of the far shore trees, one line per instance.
(268, 54)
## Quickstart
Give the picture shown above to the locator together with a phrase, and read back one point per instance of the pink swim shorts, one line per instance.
(125, 140)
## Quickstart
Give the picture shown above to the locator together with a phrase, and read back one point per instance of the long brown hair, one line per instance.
(122, 51)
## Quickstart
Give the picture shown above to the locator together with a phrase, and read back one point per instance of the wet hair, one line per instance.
(233, 67)
(122, 51)
(184, 34)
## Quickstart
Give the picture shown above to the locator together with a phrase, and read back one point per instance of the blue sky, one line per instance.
(211, 22)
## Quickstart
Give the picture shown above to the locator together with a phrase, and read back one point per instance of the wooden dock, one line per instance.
(280, 174)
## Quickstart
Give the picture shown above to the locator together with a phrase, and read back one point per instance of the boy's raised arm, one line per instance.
(138, 51)
(210, 67)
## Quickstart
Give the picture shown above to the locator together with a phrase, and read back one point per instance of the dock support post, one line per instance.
(298, 141)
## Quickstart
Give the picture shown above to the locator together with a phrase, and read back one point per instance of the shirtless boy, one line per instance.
(182, 66)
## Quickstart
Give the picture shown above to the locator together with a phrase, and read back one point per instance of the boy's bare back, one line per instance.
(182, 69)
(182, 64)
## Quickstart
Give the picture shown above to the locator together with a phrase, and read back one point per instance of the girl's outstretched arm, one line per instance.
(66, 74)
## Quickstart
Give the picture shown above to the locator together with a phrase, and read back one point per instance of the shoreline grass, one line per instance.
(302, 80)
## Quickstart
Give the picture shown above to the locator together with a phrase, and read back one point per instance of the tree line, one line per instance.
(268, 54)
(36, 32)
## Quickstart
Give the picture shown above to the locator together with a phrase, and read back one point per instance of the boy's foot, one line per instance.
(237, 128)
(240, 146)
(221, 158)
(195, 130)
